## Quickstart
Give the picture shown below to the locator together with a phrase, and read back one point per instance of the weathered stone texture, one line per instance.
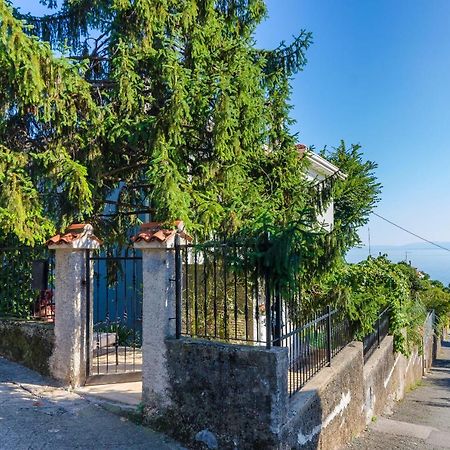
(236, 397)
(388, 375)
(28, 343)
(158, 312)
(326, 413)
(381, 380)
(68, 362)
(238, 393)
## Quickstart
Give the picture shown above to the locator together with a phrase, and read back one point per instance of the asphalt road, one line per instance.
(420, 421)
(36, 415)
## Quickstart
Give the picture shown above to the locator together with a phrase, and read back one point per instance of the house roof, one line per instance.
(320, 164)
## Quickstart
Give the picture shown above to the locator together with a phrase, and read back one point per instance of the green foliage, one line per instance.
(16, 295)
(356, 196)
(435, 296)
(172, 104)
(173, 96)
(300, 249)
(44, 102)
(367, 288)
(431, 293)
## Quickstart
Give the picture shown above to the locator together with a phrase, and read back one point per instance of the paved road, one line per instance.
(421, 421)
(35, 415)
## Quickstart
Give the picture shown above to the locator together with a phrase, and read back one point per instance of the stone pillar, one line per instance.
(158, 311)
(73, 283)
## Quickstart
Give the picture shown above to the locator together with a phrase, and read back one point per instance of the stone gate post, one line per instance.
(158, 311)
(73, 284)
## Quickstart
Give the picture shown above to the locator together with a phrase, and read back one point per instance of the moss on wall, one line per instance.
(28, 343)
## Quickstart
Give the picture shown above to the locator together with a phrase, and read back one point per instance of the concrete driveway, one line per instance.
(420, 421)
(36, 415)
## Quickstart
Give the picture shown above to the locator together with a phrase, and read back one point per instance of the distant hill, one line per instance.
(424, 256)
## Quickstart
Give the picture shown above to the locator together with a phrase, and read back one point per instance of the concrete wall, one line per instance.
(388, 376)
(28, 343)
(429, 341)
(236, 397)
(326, 413)
(233, 394)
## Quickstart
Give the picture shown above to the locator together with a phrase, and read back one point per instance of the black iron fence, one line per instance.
(116, 311)
(222, 294)
(219, 295)
(313, 344)
(380, 330)
(27, 283)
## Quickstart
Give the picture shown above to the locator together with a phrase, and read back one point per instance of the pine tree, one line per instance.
(172, 95)
(171, 104)
(44, 106)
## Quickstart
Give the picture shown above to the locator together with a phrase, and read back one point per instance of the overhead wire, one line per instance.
(410, 232)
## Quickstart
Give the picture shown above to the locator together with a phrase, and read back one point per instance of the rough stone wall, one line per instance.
(437, 345)
(388, 376)
(234, 394)
(236, 397)
(326, 413)
(28, 343)
(429, 338)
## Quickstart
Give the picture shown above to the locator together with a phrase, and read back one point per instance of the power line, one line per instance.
(410, 232)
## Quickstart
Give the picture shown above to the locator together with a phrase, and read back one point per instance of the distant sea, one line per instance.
(425, 257)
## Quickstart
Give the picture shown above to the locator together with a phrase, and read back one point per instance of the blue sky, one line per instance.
(378, 74)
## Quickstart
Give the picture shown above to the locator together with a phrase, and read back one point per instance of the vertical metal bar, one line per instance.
(134, 297)
(97, 285)
(268, 308)
(178, 281)
(205, 291)
(116, 313)
(309, 347)
(245, 249)
(277, 318)
(378, 331)
(195, 291)
(125, 305)
(215, 288)
(256, 300)
(235, 292)
(186, 289)
(304, 352)
(108, 314)
(225, 287)
(315, 334)
(329, 335)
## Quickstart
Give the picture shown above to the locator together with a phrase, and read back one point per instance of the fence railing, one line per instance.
(373, 340)
(116, 309)
(313, 345)
(26, 283)
(221, 294)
